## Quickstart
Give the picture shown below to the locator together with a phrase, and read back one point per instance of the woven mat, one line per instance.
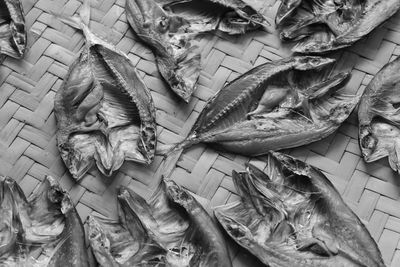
(27, 123)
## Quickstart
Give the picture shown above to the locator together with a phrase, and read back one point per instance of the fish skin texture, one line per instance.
(379, 116)
(291, 215)
(169, 229)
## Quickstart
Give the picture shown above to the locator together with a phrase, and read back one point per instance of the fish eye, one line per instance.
(369, 142)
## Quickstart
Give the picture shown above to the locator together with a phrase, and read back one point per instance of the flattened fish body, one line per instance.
(379, 117)
(171, 229)
(277, 105)
(291, 215)
(12, 29)
(105, 113)
(321, 26)
(42, 225)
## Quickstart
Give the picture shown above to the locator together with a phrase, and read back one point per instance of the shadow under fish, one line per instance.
(105, 113)
(168, 28)
(45, 229)
(12, 29)
(171, 229)
(291, 215)
(379, 116)
(324, 25)
(277, 105)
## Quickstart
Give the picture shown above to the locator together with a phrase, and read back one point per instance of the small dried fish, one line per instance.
(171, 229)
(168, 28)
(325, 25)
(12, 29)
(277, 105)
(46, 229)
(379, 116)
(291, 215)
(105, 113)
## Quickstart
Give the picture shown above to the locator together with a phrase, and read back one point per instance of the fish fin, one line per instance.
(328, 86)
(286, 8)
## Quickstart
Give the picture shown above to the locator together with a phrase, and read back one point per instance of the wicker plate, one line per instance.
(27, 123)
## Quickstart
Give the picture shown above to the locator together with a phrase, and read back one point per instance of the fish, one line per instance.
(12, 29)
(48, 230)
(169, 27)
(379, 116)
(290, 214)
(320, 26)
(277, 105)
(105, 112)
(170, 229)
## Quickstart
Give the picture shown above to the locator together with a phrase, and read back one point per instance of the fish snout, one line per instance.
(177, 194)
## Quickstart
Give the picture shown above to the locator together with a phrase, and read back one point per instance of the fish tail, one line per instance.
(167, 151)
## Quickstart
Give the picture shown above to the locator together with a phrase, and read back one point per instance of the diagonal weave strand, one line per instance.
(27, 123)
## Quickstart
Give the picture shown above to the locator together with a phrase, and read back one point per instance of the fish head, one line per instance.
(179, 195)
(233, 227)
(379, 139)
(312, 62)
(285, 9)
(13, 28)
(150, 22)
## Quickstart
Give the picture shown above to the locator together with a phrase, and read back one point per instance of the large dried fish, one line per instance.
(171, 229)
(324, 25)
(168, 28)
(291, 215)
(379, 116)
(105, 113)
(277, 105)
(46, 229)
(12, 29)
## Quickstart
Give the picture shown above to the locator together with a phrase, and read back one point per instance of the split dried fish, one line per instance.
(379, 116)
(12, 29)
(325, 25)
(44, 230)
(277, 105)
(105, 113)
(168, 28)
(171, 229)
(291, 215)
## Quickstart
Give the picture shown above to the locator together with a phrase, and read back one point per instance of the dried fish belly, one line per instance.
(12, 28)
(105, 113)
(277, 105)
(324, 25)
(44, 230)
(171, 229)
(379, 116)
(291, 215)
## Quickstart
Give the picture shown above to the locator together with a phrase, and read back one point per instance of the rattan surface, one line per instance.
(27, 122)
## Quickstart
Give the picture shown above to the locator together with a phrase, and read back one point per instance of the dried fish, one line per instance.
(171, 229)
(12, 28)
(168, 28)
(105, 113)
(46, 229)
(291, 215)
(325, 25)
(277, 105)
(379, 116)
